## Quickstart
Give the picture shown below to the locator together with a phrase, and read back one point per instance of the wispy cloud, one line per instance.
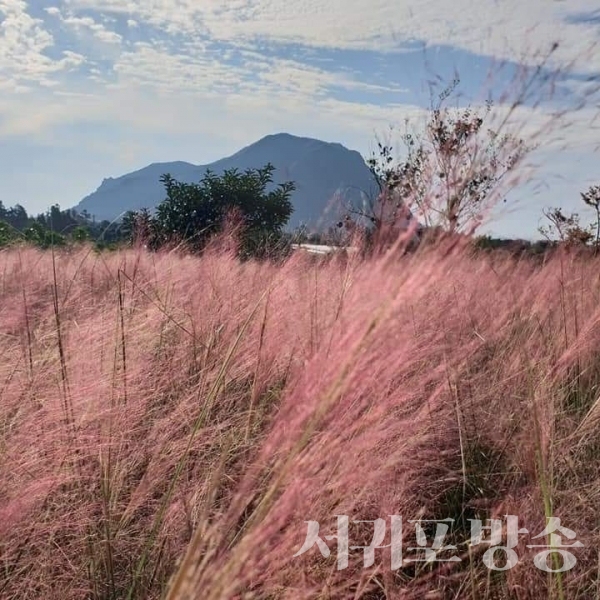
(270, 47)
(87, 26)
(24, 41)
(510, 29)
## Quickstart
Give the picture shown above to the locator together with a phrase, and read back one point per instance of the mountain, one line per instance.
(320, 170)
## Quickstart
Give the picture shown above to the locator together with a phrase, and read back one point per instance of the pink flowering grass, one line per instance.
(169, 423)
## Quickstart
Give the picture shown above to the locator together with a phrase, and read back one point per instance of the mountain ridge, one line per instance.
(322, 172)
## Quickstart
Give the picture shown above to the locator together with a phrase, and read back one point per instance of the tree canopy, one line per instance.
(192, 213)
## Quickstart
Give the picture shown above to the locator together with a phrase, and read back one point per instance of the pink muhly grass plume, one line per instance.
(430, 399)
(214, 406)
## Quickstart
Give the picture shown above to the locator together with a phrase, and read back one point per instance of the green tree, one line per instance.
(60, 221)
(140, 227)
(17, 217)
(193, 212)
(80, 234)
(8, 235)
(42, 237)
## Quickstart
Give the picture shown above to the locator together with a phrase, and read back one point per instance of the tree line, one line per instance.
(189, 217)
(55, 227)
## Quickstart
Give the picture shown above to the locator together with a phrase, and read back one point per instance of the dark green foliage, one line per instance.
(42, 237)
(192, 213)
(56, 227)
(263, 244)
(140, 227)
(8, 235)
(514, 247)
(63, 222)
(16, 216)
(80, 234)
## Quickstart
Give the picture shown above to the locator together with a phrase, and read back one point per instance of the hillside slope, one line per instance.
(325, 174)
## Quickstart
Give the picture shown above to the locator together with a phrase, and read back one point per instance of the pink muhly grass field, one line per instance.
(169, 423)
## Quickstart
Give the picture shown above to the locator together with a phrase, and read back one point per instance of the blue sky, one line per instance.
(97, 88)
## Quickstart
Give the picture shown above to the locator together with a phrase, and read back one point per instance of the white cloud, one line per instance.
(510, 29)
(162, 94)
(87, 25)
(199, 72)
(258, 84)
(23, 43)
(378, 24)
(73, 59)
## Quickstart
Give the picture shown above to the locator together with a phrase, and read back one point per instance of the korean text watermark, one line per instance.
(501, 539)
